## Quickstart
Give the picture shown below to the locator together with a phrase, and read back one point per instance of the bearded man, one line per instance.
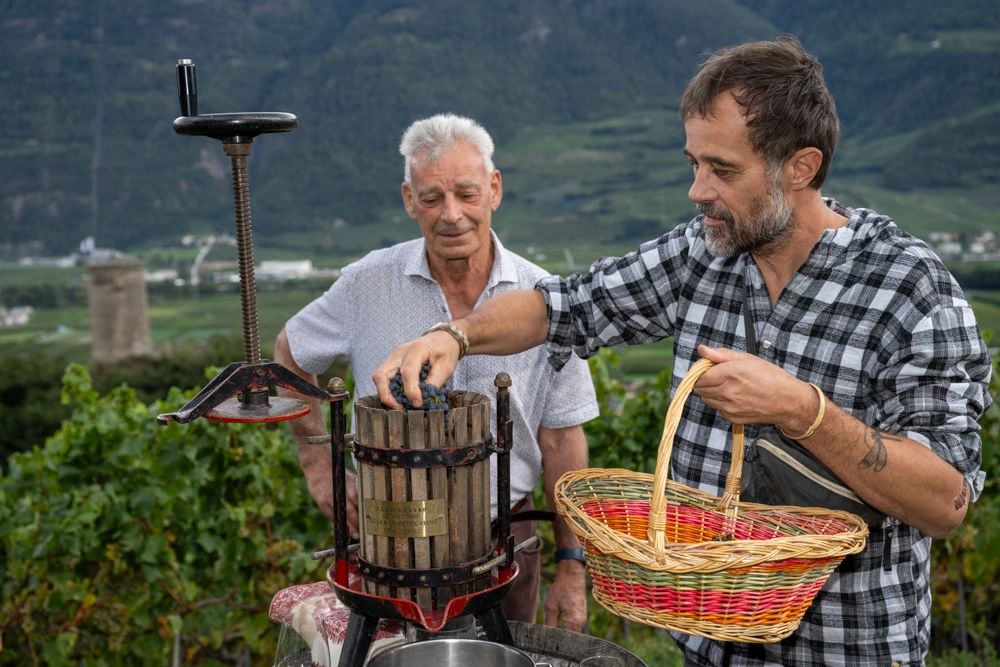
(868, 354)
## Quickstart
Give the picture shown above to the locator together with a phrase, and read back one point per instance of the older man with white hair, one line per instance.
(392, 295)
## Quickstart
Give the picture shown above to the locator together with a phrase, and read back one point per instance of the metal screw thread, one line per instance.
(244, 247)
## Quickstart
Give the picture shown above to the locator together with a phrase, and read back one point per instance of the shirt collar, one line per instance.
(503, 271)
(833, 245)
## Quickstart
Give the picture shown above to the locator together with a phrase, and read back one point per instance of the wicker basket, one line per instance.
(670, 556)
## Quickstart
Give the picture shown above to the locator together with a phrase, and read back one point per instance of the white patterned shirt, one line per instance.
(389, 297)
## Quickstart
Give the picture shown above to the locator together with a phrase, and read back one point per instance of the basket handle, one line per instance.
(658, 505)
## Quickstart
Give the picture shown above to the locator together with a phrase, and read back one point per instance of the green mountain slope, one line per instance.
(580, 96)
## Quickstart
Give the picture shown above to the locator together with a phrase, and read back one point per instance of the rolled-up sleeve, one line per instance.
(937, 387)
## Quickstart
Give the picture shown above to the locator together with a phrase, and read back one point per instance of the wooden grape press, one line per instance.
(427, 554)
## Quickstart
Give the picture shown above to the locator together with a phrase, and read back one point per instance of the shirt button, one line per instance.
(766, 344)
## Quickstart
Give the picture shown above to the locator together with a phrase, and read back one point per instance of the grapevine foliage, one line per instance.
(124, 542)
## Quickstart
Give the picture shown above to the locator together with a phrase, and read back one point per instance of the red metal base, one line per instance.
(278, 409)
(346, 582)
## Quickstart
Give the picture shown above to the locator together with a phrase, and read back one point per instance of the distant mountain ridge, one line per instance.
(88, 96)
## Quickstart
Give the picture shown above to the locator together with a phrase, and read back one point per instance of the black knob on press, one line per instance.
(187, 87)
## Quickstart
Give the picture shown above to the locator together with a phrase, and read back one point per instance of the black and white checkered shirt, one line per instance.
(873, 318)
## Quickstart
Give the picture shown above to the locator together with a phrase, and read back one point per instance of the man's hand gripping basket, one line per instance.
(674, 557)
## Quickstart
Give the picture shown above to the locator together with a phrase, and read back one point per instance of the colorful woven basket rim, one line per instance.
(639, 573)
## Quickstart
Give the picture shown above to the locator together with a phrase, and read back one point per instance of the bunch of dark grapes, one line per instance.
(435, 398)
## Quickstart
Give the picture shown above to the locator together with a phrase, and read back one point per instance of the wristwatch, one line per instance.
(456, 333)
(571, 554)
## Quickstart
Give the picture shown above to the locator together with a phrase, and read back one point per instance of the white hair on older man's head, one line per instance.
(431, 136)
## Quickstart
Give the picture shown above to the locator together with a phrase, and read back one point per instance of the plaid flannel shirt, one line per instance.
(873, 318)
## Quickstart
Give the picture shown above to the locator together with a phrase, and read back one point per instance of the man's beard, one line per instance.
(768, 220)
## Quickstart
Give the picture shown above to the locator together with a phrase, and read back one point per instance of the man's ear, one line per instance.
(802, 167)
(407, 194)
(496, 188)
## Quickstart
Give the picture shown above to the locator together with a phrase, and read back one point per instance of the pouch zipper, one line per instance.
(791, 462)
(888, 528)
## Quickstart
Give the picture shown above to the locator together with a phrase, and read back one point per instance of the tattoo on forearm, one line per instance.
(963, 497)
(877, 456)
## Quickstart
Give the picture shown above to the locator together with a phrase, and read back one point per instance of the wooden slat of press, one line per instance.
(383, 553)
(366, 489)
(440, 552)
(488, 482)
(458, 492)
(416, 435)
(402, 548)
(478, 521)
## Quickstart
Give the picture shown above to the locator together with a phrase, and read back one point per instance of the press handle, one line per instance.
(187, 87)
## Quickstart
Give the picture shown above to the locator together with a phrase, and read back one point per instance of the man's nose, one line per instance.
(701, 190)
(451, 211)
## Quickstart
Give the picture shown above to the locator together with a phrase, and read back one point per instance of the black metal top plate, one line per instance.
(248, 124)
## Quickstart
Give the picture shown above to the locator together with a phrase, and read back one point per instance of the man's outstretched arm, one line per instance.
(508, 324)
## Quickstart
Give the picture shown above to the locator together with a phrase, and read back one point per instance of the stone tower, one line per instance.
(119, 310)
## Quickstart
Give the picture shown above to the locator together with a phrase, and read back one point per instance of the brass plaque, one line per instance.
(405, 518)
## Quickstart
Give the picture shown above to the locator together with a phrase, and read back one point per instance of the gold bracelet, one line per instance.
(816, 422)
(456, 333)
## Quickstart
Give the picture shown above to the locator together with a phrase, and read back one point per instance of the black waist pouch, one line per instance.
(779, 471)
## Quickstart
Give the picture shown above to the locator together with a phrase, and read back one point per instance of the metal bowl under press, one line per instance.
(452, 653)
(559, 647)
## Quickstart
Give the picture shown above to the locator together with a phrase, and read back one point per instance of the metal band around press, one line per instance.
(422, 458)
(407, 578)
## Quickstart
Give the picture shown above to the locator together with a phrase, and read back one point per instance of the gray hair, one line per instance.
(431, 136)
